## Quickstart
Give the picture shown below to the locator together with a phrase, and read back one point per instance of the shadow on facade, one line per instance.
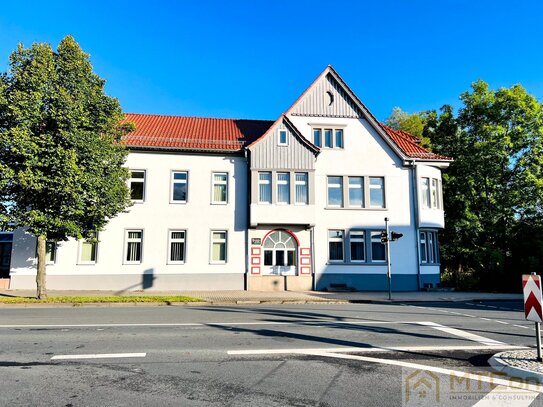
(147, 281)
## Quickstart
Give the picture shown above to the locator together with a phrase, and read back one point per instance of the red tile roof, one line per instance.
(410, 145)
(193, 133)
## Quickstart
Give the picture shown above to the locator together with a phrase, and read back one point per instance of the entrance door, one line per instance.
(5, 254)
(280, 254)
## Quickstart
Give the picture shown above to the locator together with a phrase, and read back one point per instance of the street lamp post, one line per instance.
(389, 276)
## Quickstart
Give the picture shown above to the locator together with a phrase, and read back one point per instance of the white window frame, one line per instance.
(370, 187)
(132, 240)
(280, 133)
(319, 144)
(336, 239)
(267, 183)
(143, 181)
(434, 193)
(173, 181)
(51, 255)
(177, 240)
(425, 192)
(429, 238)
(80, 250)
(214, 183)
(224, 241)
(301, 183)
(278, 183)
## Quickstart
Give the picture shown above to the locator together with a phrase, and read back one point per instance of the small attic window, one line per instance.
(283, 139)
(329, 98)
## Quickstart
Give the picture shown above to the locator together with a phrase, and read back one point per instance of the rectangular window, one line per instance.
(283, 188)
(88, 249)
(220, 187)
(423, 248)
(179, 186)
(328, 138)
(377, 192)
(317, 137)
(264, 187)
(50, 252)
(133, 248)
(335, 245)
(302, 195)
(425, 192)
(356, 192)
(357, 245)
(283, 140)
(377, 248)
(335, 191)
(429, 248)
(434, 194)
(176, 246)
(137, 185)
(218, 246)
(339, 138)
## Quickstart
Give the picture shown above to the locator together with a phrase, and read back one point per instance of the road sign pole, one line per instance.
(389, 276)
(538, 338)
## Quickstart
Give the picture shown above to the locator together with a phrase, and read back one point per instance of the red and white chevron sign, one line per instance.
(531, 286)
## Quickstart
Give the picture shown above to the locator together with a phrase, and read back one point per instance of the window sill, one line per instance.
(380, 263)
(218, 263)
(87, 263)
(132, 263)
(178, 202)
(430, 264)
(175, 263)
(350, 208)
(219, 203)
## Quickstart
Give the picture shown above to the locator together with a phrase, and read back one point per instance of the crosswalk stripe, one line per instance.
(507, 396)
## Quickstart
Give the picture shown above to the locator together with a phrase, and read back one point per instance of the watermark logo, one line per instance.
(426, 388)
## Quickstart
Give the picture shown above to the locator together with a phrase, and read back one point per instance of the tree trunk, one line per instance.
(40, 275)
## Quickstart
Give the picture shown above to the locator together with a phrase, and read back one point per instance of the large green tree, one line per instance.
(61, 160)
(493, 191)
(412, 123)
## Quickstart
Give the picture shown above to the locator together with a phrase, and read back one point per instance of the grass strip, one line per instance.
(111, 299)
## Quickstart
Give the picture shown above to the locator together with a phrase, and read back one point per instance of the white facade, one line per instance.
(302, 207)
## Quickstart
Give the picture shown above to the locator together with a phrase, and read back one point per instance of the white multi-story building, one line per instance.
(294, 204)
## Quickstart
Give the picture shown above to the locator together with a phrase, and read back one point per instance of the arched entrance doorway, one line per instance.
(280, 253)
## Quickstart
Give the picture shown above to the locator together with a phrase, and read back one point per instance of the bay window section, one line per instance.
(335, 191)
(425, 192)
(434, 193)
(356, 192)
(264, 187)
(283, 188)
(335, 245)
(429, 248)
(377, 192)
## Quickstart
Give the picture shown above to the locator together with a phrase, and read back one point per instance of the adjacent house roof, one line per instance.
(410, 145)
(193, 133)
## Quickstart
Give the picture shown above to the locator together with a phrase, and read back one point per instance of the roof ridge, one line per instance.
(194, 117)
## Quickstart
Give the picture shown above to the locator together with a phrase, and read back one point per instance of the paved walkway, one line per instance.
(240, 297)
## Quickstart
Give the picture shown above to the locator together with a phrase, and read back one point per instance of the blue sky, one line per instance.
(252, 59)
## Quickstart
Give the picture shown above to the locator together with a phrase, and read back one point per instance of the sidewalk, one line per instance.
(285, 297)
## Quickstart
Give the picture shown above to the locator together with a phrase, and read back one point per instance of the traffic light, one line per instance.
(384, 237)
(395, 236)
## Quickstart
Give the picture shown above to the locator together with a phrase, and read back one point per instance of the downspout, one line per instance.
(415, 178)
(312, 240)
(248, 217)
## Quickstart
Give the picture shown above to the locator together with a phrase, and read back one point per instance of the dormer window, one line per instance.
(283, 139)
(328, 137)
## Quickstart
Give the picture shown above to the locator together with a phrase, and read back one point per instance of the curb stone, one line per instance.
(502, 366)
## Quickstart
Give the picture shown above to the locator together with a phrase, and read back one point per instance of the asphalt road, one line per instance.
(281, 355)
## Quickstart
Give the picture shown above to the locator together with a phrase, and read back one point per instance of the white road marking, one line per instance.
(462, 334)
(501, 322)
(485, 319)
(492, 379)
(369, 349)
(507, 396)
(522, 326)
(100, 356)
(492, 306)
(192, 324)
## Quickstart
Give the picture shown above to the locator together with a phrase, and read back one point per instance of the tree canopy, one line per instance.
(493, 191)
(412, 123)
(61, 160)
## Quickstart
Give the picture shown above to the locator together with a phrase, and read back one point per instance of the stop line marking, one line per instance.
(100, 356)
